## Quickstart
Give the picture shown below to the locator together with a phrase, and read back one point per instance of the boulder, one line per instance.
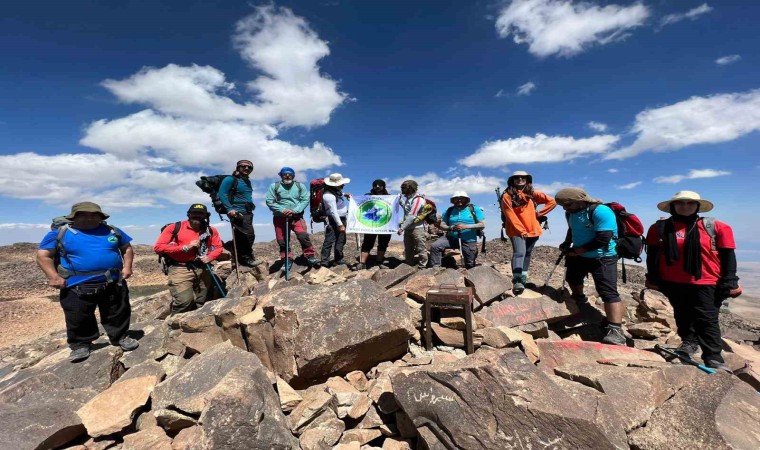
(751, 372)
(648, 330)
(397, 444)
(43, 382)
(314, 403)
(655, 307)
(153, 438)
(489, 284)
(312, 332)
(391, 277)
(323, 276)
(492, 399)
(173, 421)
(154, 343)
(360, 435)
(417, 285)
(151, 307)
(454, 338)
(716, 411)
(114, 409)
(187, 439)
(148, 368)
(323, 432)
(514, 311)
(357, 380)
(539, 330)
(566, 353)
(200, 341)
(347, 401)
(289, 398)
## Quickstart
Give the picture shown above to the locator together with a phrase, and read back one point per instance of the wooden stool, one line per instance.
(454, 297)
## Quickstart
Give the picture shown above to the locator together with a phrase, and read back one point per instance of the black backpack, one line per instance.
(210, 185)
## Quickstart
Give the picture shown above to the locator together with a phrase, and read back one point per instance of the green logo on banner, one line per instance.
(374, 213)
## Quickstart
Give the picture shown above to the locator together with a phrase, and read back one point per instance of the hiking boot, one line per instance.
(717, 365)
(518, 286)
(286, 265)
(312, 261)
(79, 354)
(724, 306)
(527, 283)
(342, 262)
(128, 344)
(688, 349)
(614, 336)
(360, 266)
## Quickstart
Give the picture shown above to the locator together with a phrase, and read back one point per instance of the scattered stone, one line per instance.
(152, 438)
(514, 311)
(417, 285)
(539, 330)
(566, 353)
(154, 343)
(147, 368)
(360, 435)
(751, 373)
(323, 432)
(114, 409)
(357, 380)
(173, 421)
(371, 420)
(347, 401)
(489, 284)
(145, 420)
(187, 439)
(323, 276)
(391, 277)
(314, 403)
(397, 444)
(289, 398)
(454, 338)
(655, 307)
(648, 330)
(381, 393)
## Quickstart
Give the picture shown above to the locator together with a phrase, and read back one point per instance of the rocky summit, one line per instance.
(335, 359)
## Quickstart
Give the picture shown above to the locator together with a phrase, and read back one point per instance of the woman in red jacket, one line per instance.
(523, 223)
(691, 260)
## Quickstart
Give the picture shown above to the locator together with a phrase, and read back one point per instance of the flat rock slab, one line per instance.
(514, 311)
(154, 343)
(493, 400)
(312, 332)
(391, 277)
(153, 438)
(567, 353)
(716, 412)
(114, 409)
(489, 284)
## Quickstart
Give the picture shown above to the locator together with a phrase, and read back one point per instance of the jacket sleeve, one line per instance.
(547, 201)
(216, 245)
(271, 199)
(163, 246)
(653, 255)
(510, 215)
(224, 192)
(303, 198)
(415, 208)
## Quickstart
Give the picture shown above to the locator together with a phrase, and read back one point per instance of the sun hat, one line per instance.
(336, 179)
(691, 196)
(86, 207)
(198, 208)
(519, 173)
(574, 194)
(459, 194)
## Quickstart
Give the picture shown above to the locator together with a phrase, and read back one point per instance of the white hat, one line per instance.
(520, 173)
(691, 196)
(336, 179)
(460, 194)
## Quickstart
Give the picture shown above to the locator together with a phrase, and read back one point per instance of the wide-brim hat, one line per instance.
(689, 196)
(86, 207)
(519, 173)
(573, 194)
(336, 179)
(459, 194)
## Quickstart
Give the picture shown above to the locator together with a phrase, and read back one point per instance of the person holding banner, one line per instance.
(336, 211)
(463, 222)
(378, 188)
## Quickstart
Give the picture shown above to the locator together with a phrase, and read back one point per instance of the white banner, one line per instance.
(374, 214)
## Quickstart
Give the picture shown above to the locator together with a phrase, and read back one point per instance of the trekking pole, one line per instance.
(359, 256)
(216, 279)
(683, 358)
(556, 264)
(287, 248)
(234, 251)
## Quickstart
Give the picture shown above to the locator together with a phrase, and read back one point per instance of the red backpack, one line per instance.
(630, 240)
(316, 209)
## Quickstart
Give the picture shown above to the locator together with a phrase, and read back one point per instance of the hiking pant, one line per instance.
(189, 286)
(302, 234)
(415, 247)
(369, 241)
(335, 238)
(79, 303)
(696, 316)
(522, 248)
(469, 251)
(602, 270)
(242, 226)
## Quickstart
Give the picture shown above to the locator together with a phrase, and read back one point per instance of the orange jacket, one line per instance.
(524, 220)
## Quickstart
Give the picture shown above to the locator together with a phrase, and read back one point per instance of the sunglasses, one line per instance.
(521, 178)
(245, 167)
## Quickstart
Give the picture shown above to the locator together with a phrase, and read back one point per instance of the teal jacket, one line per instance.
(294, 197)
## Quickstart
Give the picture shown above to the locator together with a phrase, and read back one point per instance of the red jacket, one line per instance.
(184, 237)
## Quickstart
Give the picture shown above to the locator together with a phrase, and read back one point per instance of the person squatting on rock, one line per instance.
(287, 199)
(336, 210)
(463, 222)
(240, 211)
(187, 252)
(691, 260)
(368, 241)
(413, 226)
(523, 223)
(590, 247)
(95, 262)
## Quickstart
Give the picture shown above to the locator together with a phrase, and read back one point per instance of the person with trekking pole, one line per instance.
(188, 247)
(368, 240)
(336, 212)
(239, 209)
(590, 246)
(288, 199)
(90, 261)
(463, 223)
(692, 260)
(524, 223)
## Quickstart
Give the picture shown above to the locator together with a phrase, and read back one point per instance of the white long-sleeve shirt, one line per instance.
(335, 206)
(412, 207)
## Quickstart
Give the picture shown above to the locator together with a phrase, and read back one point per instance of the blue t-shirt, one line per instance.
(89, 251)
(584, 230)
(464, 216)
(243, 195)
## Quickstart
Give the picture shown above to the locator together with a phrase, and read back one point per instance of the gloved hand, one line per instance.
(565, 246)
(728, 287)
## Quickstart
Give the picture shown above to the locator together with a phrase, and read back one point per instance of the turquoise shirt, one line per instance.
(294, 197)
(454, 215)
(243, 201)
(584, 230)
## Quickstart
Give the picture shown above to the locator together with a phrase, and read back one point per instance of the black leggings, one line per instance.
(369, 241)
(696, 315)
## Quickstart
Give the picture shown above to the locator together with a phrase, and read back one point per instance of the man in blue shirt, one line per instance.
(590, 247)
(89, 262)
(236, 194)
(463, 223)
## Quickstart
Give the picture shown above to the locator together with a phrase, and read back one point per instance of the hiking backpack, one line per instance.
(428, 212)
(62, 224)
(630, 231)
(210, 185)
(316, 208)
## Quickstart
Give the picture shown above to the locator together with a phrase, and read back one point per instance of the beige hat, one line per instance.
(520, 173)
(691, 196)
(86, 207)
(336, 179)
(459, 194)
(574, 194)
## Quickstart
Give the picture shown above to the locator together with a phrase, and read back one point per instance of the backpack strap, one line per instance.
(471, 207)
(447, 214)
(60, 250)
(175, 232)
(709, 224)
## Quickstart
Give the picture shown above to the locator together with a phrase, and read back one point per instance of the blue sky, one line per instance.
(128, 103)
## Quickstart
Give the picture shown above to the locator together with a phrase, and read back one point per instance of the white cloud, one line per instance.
(597, 126)
(526, 89)
(433, 185)
(24, 226)
(629, 185)
(691, 14)
(613, 170)
(500, 94)
(553, 187)
(725, 60)
(698, 120)
(565, 28)
(537, 149)
(692, 175)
